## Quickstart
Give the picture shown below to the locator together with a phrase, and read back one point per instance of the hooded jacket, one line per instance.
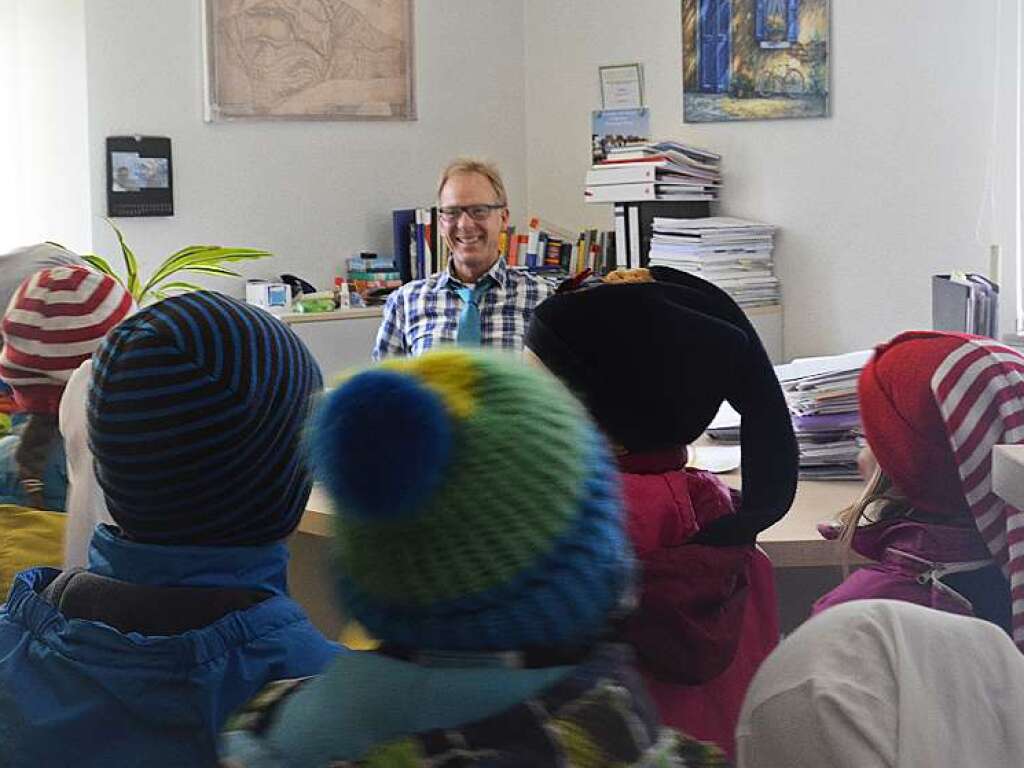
(80, 692)
(707, 616)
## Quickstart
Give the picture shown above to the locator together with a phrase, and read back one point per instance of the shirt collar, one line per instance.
(498, 273)
(260, 567)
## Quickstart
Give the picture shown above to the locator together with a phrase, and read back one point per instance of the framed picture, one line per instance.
(622, 86)
(296, 60)
(755, 59)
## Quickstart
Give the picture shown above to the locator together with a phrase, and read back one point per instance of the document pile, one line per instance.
(665, 170)
(734, 254)
(822, 397)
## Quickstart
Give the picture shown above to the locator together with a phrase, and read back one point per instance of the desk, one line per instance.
(806, 565)
(793, 542)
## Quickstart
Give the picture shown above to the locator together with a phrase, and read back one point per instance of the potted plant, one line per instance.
(196, 259)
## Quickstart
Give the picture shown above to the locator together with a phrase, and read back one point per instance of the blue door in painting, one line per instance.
(713, 67)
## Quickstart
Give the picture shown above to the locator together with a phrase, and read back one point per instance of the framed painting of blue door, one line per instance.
(755, 59)
(714, 24)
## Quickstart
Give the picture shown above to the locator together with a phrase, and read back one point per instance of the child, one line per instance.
(886, 684)
(15, 267)
(479, 536)
(54, 322)
(652, 354)
(195, 417)
(933, 405)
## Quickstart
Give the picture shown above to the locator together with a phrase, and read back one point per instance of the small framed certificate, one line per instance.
(622, 86)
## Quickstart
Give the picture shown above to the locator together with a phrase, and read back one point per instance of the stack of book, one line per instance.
(734, 254)
(666, 170)
(822, 396)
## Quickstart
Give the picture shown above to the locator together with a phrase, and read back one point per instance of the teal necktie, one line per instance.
(468, 334)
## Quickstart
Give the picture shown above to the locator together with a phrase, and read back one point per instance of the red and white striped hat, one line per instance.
(933, 405)
(55, 321)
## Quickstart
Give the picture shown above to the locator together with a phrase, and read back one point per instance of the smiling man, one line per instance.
(477, 300)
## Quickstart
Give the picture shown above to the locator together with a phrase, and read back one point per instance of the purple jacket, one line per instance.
(911, 560)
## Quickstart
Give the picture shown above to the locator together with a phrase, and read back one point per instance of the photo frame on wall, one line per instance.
(755, 59)
(281, 59)
(622, 86)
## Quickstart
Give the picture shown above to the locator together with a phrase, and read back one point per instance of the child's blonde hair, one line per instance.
(878, 501)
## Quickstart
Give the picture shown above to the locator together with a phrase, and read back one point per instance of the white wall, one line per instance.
(43, 124)
(314, 193)
(870, 201)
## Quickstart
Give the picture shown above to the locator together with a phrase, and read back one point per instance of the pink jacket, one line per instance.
(707, 615)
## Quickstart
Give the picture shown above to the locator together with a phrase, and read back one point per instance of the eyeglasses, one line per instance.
(478, 212)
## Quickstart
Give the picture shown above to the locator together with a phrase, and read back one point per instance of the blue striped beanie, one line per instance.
(195, 418)
(477, 507)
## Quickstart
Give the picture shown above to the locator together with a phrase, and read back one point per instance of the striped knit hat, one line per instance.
(195, 418)
(53, 324)
(933, 405)
(477, 507)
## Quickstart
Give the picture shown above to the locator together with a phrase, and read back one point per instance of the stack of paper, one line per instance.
(665, 170)
(734, 254)
(822, 397)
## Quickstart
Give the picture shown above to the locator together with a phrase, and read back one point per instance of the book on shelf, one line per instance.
(419, 248)
(634, 225)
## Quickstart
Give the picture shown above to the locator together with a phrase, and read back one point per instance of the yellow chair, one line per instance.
(28, 538)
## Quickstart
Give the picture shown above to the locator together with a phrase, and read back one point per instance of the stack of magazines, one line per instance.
(822, 397)
(734, 254)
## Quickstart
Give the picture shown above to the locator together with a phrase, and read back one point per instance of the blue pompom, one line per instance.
(381, 444)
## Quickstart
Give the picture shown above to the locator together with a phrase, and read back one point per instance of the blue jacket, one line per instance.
(80, 693)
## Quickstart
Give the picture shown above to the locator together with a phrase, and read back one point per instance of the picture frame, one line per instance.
(279, 61)
(756, 59)
(622, 86)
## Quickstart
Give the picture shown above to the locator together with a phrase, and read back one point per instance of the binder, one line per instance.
(401, 218)
(965, 304)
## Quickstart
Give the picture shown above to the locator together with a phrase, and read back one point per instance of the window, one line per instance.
(777, 23)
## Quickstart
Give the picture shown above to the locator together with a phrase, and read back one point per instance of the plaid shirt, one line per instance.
(425, 313)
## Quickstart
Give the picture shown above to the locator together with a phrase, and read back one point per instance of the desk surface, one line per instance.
(791, 543)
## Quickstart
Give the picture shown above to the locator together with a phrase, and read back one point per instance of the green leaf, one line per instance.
(211, 269)
(101, 265)
(203, 259)
(130, 262)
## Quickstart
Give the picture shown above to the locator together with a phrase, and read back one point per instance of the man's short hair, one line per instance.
(472, 165)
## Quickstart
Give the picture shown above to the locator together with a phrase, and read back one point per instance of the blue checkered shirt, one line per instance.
(425, 313)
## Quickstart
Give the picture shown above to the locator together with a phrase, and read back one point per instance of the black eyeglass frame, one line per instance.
(451, 213)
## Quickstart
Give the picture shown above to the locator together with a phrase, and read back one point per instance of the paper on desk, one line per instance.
(714, 458)
(818, 366)
(725, 418)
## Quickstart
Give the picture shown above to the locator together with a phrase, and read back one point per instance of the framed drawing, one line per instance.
(309, 59)
(622, 86)
(755, 59)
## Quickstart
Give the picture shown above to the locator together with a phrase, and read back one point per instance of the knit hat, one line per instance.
(476, 505)
(195, 417)
(933, 405)
(653, 362)
(21, 263)
(53, 324)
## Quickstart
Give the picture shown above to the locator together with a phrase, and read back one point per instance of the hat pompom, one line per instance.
(382, 442)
